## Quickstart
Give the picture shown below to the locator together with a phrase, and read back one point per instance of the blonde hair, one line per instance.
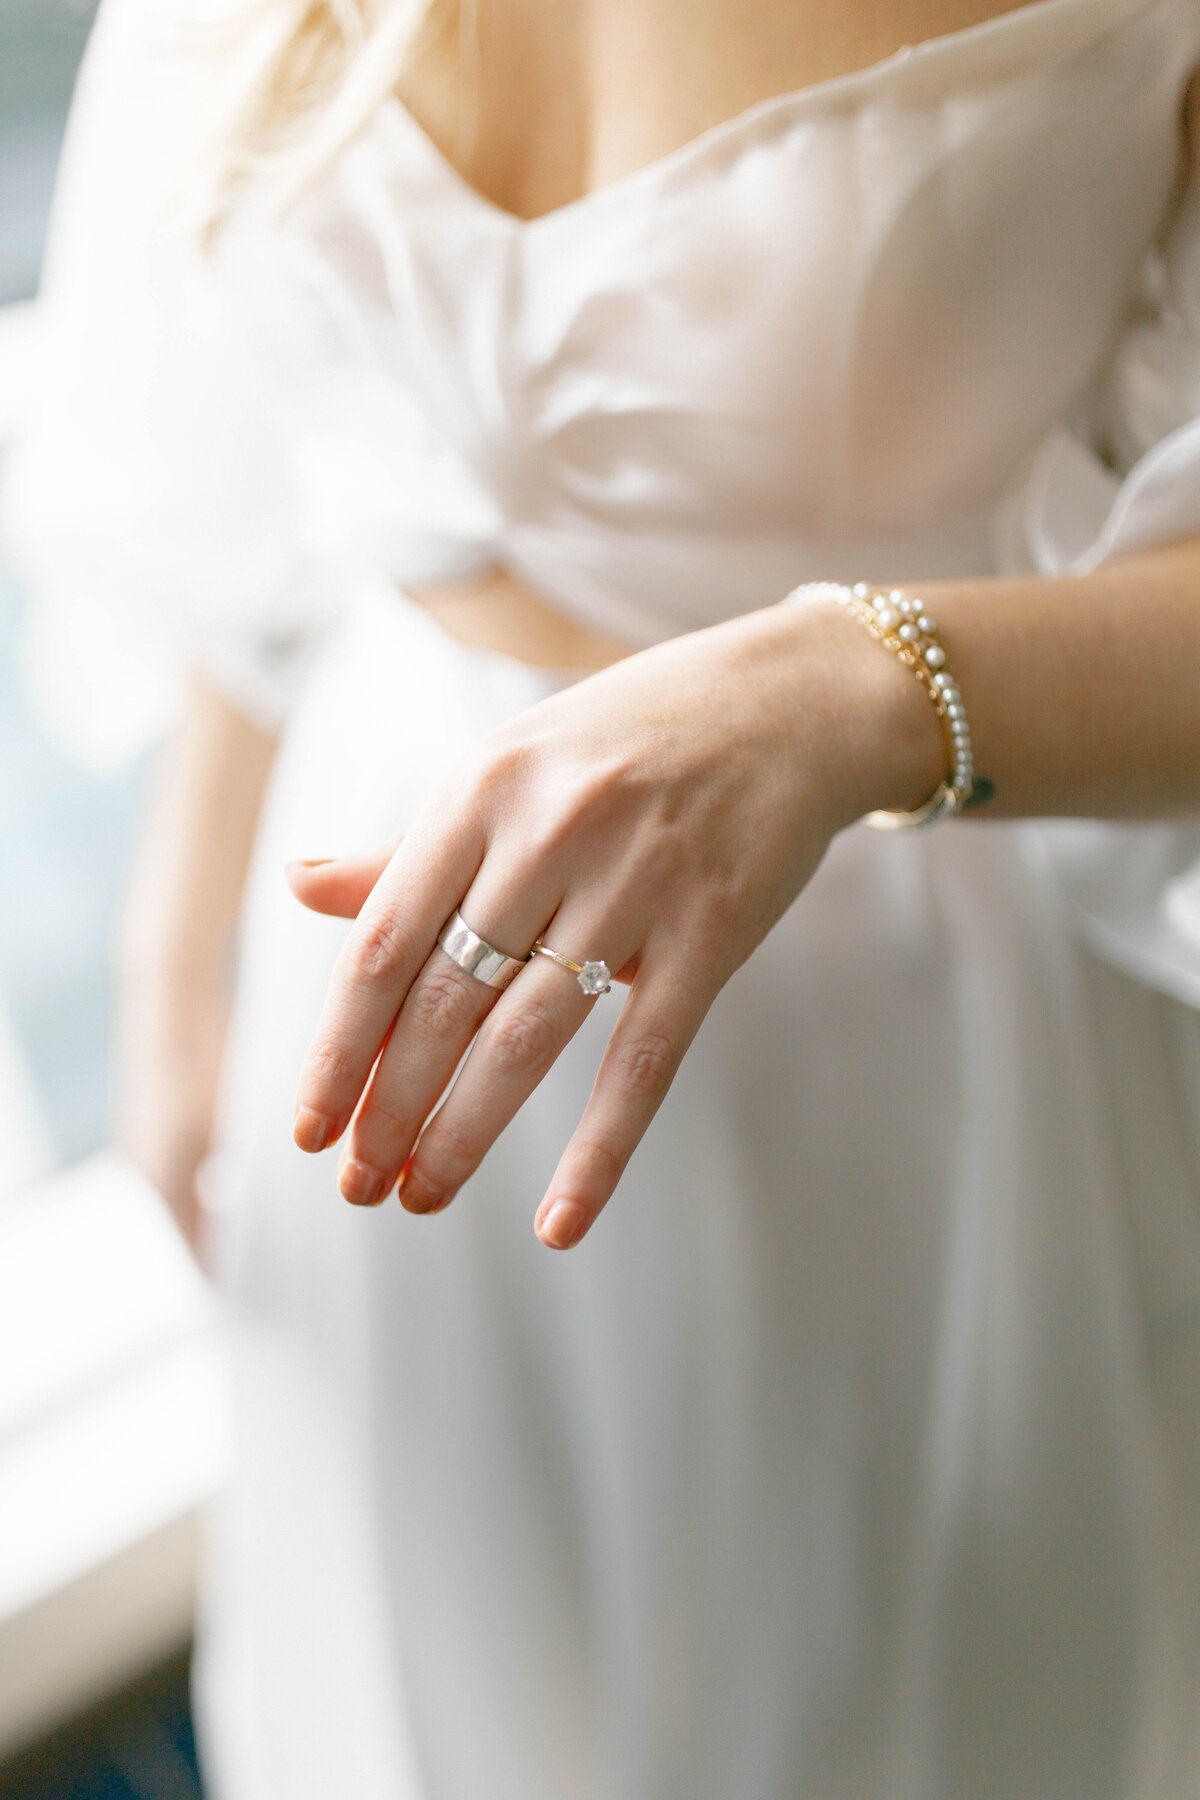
(294, 82)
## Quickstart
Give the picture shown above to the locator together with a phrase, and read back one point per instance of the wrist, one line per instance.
(887, 748)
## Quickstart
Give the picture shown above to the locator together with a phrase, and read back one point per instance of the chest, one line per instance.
(852, 311)
(541, 101)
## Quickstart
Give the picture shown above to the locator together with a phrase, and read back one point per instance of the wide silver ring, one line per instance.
(593, 977)
(476, 957)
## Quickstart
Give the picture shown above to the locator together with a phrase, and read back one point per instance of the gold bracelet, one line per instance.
(902, 624)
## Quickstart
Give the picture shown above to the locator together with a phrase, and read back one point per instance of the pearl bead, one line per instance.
(928, 624)
(910, 608)
(960, 728)
(908, 634)
(861, 591)
(887, 617)
(956, 710)
(942, 680)
(897, 595)
(935, 656)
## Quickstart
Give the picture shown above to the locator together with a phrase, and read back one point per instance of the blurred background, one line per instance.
(106, 1333)
(61, 834)
(41, 42)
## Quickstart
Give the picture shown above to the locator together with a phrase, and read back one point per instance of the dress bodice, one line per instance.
(822, 339)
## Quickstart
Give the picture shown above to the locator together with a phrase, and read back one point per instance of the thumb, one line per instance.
(339, 885)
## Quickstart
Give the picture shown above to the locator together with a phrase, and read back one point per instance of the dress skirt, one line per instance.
(855, 1455)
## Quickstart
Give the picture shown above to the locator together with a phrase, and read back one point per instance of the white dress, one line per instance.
(856, 1453)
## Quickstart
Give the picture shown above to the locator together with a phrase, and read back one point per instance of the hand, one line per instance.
(662, 814)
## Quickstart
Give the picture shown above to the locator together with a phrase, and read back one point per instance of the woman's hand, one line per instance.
(660, 815)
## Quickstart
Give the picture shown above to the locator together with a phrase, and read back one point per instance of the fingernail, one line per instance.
(562, 1226)
(361, 1185)
(315, 862)
(416, 1194)
(311, 1130)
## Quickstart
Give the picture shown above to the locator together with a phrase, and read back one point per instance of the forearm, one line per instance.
(178, 928)
(197, 836)
(1083, 692)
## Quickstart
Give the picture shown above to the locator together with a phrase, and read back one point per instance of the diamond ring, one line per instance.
(593, 977)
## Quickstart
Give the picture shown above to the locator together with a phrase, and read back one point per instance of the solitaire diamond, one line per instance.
(595, 978)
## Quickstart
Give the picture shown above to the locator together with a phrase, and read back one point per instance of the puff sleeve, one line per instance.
(151, 504)
(1122, 475)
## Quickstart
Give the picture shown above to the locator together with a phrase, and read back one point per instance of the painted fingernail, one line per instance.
(361, 1185)
(311, 1130)
(562, 1226)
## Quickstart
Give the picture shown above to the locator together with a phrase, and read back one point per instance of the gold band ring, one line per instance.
(593, 977)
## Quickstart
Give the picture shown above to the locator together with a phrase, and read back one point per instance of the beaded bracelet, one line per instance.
(902, 624)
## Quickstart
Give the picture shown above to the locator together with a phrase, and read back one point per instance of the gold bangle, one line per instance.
(903, 625)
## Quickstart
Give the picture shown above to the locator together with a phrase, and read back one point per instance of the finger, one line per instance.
(339, 885)
(441, 1013)
(515, 1048)
(394, 934)
(638, 1066)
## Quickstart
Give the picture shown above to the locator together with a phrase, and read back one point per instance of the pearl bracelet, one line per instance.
(901, 623)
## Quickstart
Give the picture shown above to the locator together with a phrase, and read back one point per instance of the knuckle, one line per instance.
(439, 1003)
(523, 1038)
(376, 949)
(595, 1165)
(382, 1129)
(449, 1155)
(530, 842)
(554, 835)
(329, 1067)
(501, 762)
(644, 1065)
(576, 801)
